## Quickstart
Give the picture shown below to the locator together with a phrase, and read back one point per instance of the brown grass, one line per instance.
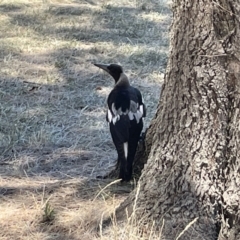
(53, 137)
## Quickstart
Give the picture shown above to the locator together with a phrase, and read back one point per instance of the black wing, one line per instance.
(127, 102)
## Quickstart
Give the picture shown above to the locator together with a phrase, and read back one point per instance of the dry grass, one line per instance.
(53, 137)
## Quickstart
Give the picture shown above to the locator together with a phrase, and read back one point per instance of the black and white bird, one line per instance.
(125, 114)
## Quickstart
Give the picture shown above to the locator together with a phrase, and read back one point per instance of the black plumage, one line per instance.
(125, 114)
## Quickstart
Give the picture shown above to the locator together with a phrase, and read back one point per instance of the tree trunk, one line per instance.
(193, 165)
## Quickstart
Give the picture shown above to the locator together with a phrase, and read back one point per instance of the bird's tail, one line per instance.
(132, 147)
(126, 154)
(120, 136)
(125, 137)
(122, 149)
(134, 137)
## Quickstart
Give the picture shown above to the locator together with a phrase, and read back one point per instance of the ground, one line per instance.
(54, 140)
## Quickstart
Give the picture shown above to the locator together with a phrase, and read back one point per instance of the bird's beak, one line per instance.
(102, 66)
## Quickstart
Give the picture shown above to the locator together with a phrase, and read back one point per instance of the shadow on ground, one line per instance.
(58, 125)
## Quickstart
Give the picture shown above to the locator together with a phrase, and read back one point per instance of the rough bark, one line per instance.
(194, 161)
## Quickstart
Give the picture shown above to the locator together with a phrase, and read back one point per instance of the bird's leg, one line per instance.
(123, 167)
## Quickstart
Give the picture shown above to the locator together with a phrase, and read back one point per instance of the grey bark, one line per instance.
(193, 145)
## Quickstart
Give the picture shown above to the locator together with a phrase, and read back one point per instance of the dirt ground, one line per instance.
(54, 140)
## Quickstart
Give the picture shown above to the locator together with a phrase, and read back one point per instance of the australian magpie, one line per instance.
(125, 114)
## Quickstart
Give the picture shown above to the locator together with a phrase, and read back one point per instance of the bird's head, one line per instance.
(114, 70)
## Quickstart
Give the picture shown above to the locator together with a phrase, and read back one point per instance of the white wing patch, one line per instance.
(138, 115)
(114, 110)
(130, 115)
(115, 116)
(133, 106)
(141, 109)
(109, 116)
(115, 119)
(116, 113)
(135, 111)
